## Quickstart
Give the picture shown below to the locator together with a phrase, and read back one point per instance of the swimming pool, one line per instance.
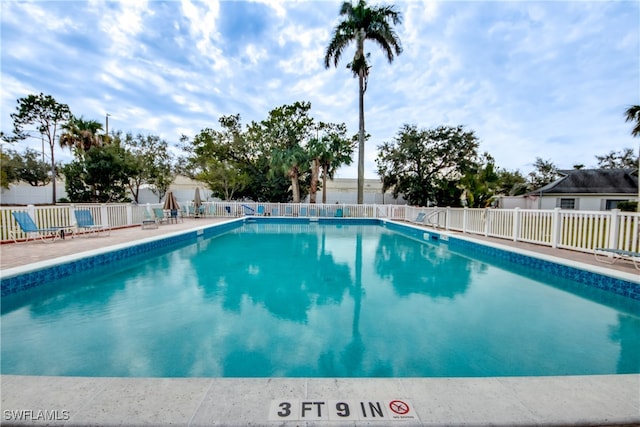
(333, 298)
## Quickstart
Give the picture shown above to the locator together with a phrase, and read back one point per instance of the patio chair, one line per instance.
(303, 211)
(260, 210)
(84, 221)
(420, 218)
(610, 256)
(29, 227)
(159, 215)
(148, 221)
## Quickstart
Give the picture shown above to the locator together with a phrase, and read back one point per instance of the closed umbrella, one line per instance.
(171, 204)
(197, 202)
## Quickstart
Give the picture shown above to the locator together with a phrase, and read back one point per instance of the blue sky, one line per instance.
(547, 79)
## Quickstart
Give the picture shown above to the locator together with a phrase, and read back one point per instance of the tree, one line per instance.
(287, 131)
(101, 176)
(148, 162)
(426, 166)
(46, 114)
(624, 159)
(480, 183)
(80, 135)
(328, 153)
(633, 115)
(362, 23)
(545, 173)
(511, 183)
(30, 168)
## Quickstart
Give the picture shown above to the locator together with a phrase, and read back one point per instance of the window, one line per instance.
(567, 204)
(612, 204)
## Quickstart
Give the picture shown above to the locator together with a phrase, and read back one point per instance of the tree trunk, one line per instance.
(361, 140)
(315, 172)
(53, 178)
(295, 187)
(324, 185)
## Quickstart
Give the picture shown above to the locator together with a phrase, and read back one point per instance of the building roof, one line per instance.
(593, 181)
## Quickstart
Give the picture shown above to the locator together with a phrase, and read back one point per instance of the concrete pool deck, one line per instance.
(570, 400)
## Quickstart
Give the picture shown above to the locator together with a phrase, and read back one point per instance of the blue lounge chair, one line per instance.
(248, 210)
(610, 256)
(260, 210)
(274, 212)
(159, 214)
(420, 218)
(29, 227)
(84, 221)
(303, 211)
(338, 213)
(288, 211)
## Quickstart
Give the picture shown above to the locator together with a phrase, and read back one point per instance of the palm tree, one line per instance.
(359, 24)
(633, 115)
(80, 135)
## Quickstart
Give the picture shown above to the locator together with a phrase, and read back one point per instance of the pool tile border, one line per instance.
(19, 279)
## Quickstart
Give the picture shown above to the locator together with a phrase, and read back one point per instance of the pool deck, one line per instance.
(503, 401)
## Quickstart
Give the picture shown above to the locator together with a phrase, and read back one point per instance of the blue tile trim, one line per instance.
(606, 283)
(15, 284)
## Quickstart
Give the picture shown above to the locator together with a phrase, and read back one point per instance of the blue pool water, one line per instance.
(316, 300)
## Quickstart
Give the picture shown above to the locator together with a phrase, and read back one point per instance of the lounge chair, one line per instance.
(339, 213)
(274, 212)
(420, 218)
(148, 222)
(303, 211)
(84, 221)
(159, 215)
(248, 210)
(260, 210)
(288, 211)
(609, 256)
(29, 227)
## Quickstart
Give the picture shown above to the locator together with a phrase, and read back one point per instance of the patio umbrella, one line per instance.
(197, 202)
(171, 204)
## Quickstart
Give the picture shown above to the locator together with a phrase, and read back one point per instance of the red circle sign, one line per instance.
(399, 407)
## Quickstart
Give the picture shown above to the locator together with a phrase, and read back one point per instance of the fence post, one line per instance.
(555, 227)
(614, 228)
(447, 219)
(516, 224)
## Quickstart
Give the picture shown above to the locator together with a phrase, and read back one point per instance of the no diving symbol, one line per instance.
(399, 407)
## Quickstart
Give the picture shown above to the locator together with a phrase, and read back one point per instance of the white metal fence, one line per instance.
(576, 230)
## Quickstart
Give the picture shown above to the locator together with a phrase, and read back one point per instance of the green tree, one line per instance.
(545, 172)
(101, 176)
(623, 159)
(633, 115)
(480, 183)
(328, 153)
(46, 114)
(426, 166)
(511, 183)
(286, 132)
(148, 162)
(79, 135)
(360, 23)
(30, 168)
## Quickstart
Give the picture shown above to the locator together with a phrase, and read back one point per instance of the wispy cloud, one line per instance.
(546, 79)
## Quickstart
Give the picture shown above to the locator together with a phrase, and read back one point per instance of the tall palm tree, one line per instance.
(360, 23)
(80, 135)
(633, 115)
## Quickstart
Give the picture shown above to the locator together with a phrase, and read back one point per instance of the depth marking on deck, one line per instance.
(341, 410)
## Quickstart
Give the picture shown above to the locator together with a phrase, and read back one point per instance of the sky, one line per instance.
(549, 79)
